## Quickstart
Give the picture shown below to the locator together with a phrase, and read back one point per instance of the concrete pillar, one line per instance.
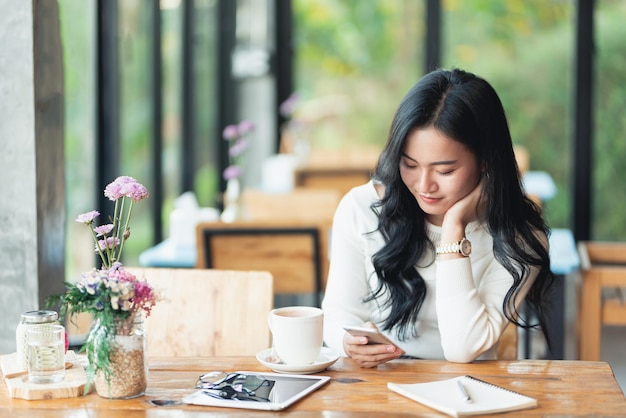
(32, 192)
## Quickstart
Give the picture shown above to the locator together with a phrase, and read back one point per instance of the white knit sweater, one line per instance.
(461, 318)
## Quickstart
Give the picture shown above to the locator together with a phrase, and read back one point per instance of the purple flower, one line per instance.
(89, 282)
(232, 172)
(125, 186)
(113, 190)
(103, 229)
(88, 217)
(109, 243)
(135, 191)
(245, 126)
(288, 107)
(110, 248)
(230, 132)
(238, 147)
(235, 134)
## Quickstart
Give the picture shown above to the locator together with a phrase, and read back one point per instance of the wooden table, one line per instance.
(562, 388)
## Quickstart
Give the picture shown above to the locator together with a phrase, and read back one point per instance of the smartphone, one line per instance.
(373, 335)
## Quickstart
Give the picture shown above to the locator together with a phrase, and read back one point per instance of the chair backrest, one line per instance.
(507, 346)
(293, 252)
(208, 312)
(601, 253)
(299, 204)
(602, 294)
(339, 170)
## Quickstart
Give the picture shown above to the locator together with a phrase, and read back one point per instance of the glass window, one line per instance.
(354, 61)
(525, 50)
(609, 148)
(136, 98)
(205, 70)
(77, 36)
(135, 115)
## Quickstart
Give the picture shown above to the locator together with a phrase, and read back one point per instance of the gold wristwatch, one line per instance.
(463, 247)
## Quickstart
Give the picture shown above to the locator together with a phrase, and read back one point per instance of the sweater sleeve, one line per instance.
(346, 285)
(471, 317)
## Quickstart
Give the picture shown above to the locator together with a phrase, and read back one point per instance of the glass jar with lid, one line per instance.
(31, 320)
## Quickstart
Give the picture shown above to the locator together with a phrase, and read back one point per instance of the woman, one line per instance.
(441, 248)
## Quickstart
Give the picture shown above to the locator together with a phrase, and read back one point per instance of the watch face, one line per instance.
(466, 247)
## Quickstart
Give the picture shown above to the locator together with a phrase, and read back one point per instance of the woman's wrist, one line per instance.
(451, 233)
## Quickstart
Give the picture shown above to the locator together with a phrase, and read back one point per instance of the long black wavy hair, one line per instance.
(466, 108)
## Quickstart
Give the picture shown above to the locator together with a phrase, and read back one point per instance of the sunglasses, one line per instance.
(237, 386)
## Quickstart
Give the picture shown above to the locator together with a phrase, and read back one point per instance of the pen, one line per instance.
(464, 393)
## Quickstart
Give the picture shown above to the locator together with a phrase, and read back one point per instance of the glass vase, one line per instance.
(128, 361)
(231, 201)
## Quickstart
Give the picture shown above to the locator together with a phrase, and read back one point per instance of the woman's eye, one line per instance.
(408, 164)
(446, 173)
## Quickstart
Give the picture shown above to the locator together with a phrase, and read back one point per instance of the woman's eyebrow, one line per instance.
(406, 156)
(444, 162)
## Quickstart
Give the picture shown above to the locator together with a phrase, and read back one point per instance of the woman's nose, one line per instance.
(426, 183)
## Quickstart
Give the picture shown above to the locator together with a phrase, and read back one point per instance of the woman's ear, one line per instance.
(483, 169)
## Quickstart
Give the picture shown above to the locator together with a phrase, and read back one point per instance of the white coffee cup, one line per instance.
(297, 333)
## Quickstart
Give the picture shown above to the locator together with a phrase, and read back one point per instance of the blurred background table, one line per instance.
(286, 234)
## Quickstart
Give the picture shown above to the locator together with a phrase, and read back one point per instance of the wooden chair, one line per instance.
(507, 347)
(601, 301)
(208, 312)
(299, 204)
(522, 158)
(295, 252)
(340, 169)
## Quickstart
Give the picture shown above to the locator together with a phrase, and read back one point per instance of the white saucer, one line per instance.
(326, 358)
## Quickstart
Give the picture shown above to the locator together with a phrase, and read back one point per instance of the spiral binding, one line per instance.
(492, 385)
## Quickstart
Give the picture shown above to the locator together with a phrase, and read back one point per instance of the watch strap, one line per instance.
(455, 248)
(452, 248)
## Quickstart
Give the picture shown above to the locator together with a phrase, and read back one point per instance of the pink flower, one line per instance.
(235, 134)
(113, 190)
(103, 229)
(110, 248)
(107, 244)
(238, 148)
(232, 172)
(230, 132)
(125, 186)
(135, 191)
(245, 126)
(88, 217)
(288, 107)
(145, 297)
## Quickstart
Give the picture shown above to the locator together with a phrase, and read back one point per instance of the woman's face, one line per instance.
(438, 171)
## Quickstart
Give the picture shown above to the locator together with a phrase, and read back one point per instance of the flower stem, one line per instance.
(122, 240)
(111, 249)
(102, 257)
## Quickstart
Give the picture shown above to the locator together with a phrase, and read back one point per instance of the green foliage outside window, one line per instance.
(365, 55)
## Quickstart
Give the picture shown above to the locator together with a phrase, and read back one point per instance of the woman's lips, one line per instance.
(429, 200)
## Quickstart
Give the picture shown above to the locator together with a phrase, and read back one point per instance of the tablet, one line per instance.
(288, 388)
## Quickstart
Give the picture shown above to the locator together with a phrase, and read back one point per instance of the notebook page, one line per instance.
(446, 396)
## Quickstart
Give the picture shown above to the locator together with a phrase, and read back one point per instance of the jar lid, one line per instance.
(39, 317)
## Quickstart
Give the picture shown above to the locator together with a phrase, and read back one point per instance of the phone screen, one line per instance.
(373, 336)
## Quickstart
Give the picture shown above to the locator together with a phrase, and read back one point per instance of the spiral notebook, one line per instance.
(464, 395)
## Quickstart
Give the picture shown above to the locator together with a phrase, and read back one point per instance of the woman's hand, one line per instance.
(470, 208)
(369, 355)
